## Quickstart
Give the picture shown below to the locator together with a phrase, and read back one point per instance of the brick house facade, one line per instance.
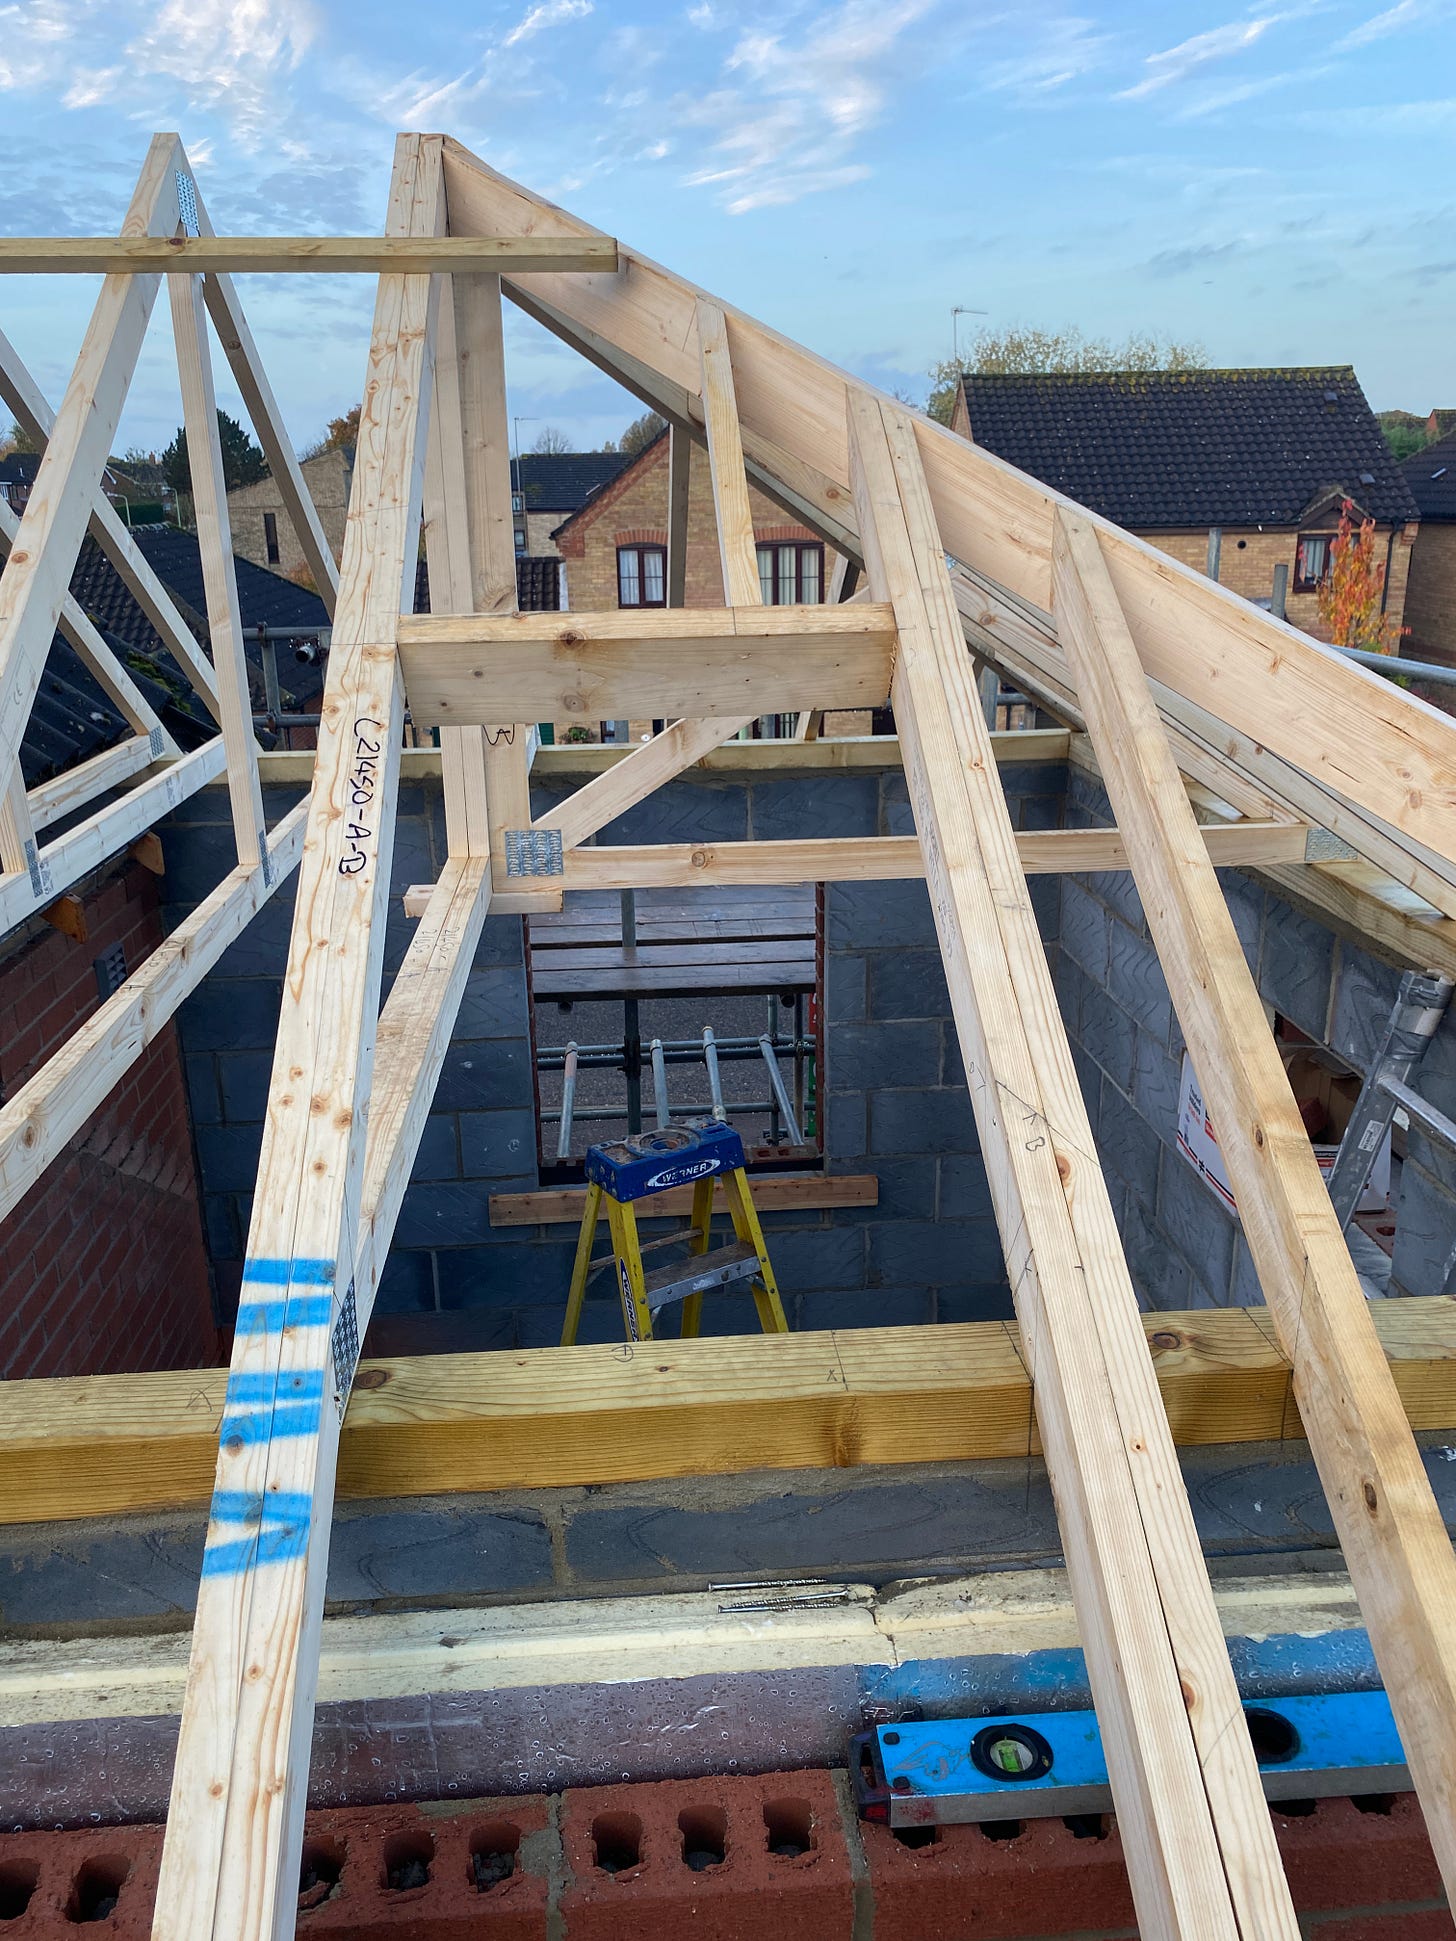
(1430, 609)
(102, 1265)
(262, 530)
(631, 512)
(1265, 456)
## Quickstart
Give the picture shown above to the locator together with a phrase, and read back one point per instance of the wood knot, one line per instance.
(1372, 1501)
(1190, 1693)
(1064, 1167)
(1165, 1338)
(1259, 1137)
(371, 1378)
(701, 858)
(569, 637)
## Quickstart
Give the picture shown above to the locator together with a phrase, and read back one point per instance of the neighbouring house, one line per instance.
(1264, 457)
(538, 584)
(17, 477)
(547, 486)
(1430, 601)
(1441, 421)
(615, 550)
(615, 547)
(261, 528)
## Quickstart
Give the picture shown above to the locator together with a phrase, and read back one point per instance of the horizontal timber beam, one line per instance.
(294, 767)
(677, 662)
(272, 255)
(772, 1193)
(100, 1445)
(840, 859)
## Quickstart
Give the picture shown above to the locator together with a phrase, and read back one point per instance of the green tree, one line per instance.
(19, 440)
(1405, 432)
(641, 432)
(242, 461)
(1023, 348)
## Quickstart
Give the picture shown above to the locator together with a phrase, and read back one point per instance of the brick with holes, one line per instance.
(722, 1859)
(442, 1872)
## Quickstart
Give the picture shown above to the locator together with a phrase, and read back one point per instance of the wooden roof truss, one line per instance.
(1190, 699)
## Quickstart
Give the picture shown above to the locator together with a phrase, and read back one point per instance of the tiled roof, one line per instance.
(1431, 476)
(538, 583)
(73, 719)
(563, 481)
(1194, 448)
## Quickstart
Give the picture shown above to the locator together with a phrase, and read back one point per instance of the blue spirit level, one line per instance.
(1043, 1764)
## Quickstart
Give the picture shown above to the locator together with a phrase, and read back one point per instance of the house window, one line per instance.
(270, 537)
(791, 574)
(641, 576)
(1312, 561)
(518, 502)
(520, 540)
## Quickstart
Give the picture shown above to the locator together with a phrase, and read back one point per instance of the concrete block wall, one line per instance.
(894, 1101)
(1185, 1250)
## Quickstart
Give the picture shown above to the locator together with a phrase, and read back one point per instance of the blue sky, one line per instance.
(1276, 183)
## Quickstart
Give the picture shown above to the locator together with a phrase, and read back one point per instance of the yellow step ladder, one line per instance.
(626, 1171)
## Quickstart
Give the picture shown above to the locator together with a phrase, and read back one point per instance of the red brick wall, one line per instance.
(632, 510)
(102, 1268)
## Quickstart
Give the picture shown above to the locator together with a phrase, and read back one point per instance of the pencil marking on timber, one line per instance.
(363, 781)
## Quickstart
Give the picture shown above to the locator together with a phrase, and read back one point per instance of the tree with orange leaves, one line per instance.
(1350, 593)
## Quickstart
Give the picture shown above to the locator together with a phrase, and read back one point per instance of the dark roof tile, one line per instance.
(538, 583)
(1431, 476)
(563, 481)
(1193, 448)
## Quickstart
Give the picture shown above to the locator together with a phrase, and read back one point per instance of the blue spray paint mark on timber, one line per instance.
(277, 1523)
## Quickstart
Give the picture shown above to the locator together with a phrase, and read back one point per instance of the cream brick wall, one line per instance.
(539, 528)
(1430, 602)
(633, 511)
(327, 478)
(1247, 561)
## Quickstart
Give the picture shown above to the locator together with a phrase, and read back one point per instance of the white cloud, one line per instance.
(89, 86)
(791, 109)
(1062, 50)
(550, 13)
(228, 56)
(1406, 13)
(1215, 44)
